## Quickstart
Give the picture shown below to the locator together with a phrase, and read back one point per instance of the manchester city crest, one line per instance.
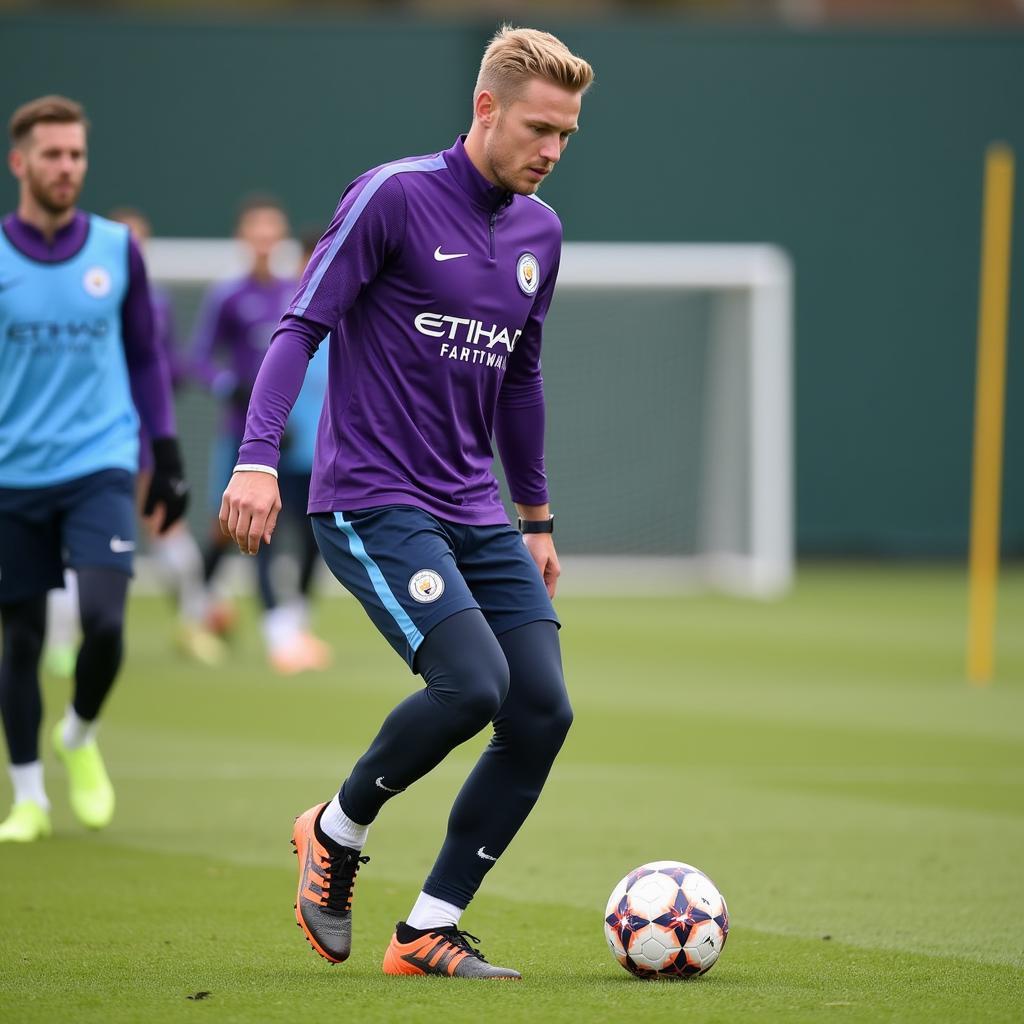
(97, 282)
(426, 586)
(528, 273)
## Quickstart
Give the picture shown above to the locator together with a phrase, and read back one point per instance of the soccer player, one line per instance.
(290, 642)
(434, 279)
(235, 326)
(176, 551)
(77, 359)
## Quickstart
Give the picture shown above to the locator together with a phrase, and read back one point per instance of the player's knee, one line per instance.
(102, 595)
(465, 669)
(560, 720)
(481, 700)
(550, 724)
(539, 727)
(103, 624)
(23, 642)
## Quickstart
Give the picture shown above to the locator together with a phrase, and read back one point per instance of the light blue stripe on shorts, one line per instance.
(380, 585)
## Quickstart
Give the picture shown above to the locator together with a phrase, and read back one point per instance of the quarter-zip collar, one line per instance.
(485, 195)
(31, 242)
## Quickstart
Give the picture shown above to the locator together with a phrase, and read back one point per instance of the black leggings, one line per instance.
(101, 595)
(472, 678)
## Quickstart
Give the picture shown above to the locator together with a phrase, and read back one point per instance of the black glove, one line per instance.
(168, 487)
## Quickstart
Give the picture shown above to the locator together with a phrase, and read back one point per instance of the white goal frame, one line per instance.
(751, 359)
(758, 279)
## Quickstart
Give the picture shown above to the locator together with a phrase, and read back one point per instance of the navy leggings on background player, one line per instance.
(102, 597)
(232, 334)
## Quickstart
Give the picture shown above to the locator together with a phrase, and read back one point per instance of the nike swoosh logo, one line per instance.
(387, 789)
(442, 256)
(485, 856)
(119, 547)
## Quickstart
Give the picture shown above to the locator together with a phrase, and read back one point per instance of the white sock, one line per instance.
(299, 609)
(62, 613)
(27, 780)
(341, 828)
(75, 731)
(430, 912)
(279, 631)
(181, 562)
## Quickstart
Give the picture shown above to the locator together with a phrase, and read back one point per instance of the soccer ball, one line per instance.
(666, 920)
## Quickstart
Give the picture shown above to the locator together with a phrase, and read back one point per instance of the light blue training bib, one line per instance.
(66, 408)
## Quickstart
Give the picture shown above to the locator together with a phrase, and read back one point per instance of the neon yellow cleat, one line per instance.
(201, 645)
(26, 823)
(89, 788)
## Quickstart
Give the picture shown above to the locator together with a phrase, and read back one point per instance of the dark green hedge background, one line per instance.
(861, 153)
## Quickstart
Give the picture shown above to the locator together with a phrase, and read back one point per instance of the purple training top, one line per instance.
(166, 341)
(237, 320)
(147, 369)
(434, 285)
(166, 335)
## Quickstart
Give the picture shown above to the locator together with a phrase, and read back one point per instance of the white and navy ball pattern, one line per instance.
(666, 920)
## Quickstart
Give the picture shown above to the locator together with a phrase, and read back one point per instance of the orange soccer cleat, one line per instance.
(327, 873)
(221, 618)
(445, 952)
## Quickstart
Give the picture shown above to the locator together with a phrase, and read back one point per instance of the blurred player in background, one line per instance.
(175, 550)
(291, 645)
(235, 325)
(78, 359)
(434, 279)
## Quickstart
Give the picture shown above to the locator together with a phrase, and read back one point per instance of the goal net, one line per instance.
(668, 372)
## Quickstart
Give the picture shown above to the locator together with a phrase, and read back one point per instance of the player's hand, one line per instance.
(168, 490)
(542, 551)
(249, 509)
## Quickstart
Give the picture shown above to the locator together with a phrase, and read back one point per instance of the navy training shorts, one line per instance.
(411, 570)
(88, 521)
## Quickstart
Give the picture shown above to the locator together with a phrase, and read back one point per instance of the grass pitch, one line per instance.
(821, 758)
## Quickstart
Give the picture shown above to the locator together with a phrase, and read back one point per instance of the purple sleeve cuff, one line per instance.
(147, 368)
(277, 386)
(519, 431)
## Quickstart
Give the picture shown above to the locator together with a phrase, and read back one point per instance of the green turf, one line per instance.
(821, 758)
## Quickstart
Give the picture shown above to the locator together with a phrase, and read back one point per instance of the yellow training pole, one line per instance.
(989, 400)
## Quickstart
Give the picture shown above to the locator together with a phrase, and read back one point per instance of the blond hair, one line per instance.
(514, 56)
(45, 110)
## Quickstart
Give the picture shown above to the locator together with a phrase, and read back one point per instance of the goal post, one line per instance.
(745, 527)
(670, 408)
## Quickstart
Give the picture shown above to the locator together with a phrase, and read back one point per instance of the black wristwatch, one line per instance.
(537, 525)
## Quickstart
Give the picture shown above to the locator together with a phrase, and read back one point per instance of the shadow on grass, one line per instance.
(598, 977)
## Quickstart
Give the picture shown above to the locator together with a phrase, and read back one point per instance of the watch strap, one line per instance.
(537, 525)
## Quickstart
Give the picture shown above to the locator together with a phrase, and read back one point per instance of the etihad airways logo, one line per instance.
(53, 330)
(464, 331)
